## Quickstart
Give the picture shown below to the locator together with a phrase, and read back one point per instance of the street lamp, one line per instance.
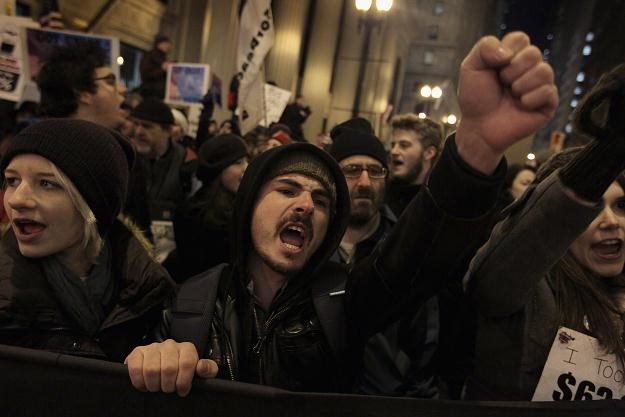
(383, 5)
(363, 5)
(369, 19)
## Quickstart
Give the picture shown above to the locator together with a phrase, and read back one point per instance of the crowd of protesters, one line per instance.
(341, 267)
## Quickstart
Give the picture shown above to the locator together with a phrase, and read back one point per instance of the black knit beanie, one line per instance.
(153, 110)
(96, 159)
(217, 154)
(356, 137)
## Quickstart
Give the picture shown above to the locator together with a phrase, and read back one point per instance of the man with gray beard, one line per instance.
(397, 361)
(362, 159)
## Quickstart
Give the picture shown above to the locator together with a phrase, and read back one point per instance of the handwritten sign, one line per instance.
(578, 368)
(276, 100)
(186, 83)
(13, 57)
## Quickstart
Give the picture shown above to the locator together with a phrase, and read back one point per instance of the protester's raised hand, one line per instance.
(168, 366)
(506, 92)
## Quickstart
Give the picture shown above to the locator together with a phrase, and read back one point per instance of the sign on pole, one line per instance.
(186, 83)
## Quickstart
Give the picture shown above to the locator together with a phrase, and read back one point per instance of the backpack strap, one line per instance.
(328, 292)
(192, 310)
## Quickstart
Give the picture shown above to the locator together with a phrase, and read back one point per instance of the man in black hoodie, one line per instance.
(279, 316)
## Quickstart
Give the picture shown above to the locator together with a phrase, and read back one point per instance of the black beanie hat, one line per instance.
(356, 137)
(96, 159)
(217, 154)
(153, 110)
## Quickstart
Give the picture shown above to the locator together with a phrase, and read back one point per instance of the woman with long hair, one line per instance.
(202, 224)
(557, 259)
(73, 278)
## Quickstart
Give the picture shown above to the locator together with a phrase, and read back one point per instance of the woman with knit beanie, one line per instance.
(73, 278)
(556, 260)
(202, 224)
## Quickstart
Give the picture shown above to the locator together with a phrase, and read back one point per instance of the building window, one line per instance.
(439, 8)
(433, 32)
(428, 57)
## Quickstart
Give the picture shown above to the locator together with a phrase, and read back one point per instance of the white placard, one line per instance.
(13, 60)
(579, 369)
(276, 100)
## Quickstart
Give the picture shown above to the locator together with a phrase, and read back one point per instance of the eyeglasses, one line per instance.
(110, 79)
(355, 171)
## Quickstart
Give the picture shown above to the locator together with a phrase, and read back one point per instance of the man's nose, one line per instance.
(305, 203)
(364, 180)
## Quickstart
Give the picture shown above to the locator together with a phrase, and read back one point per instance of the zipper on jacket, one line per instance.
(262, 336)
(228, 351)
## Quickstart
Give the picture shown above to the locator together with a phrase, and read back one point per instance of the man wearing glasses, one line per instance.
(362, 159)
(77, 82)
(392, 366)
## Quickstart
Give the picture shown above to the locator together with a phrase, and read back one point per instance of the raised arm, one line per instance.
(525, 246)
(506, 92)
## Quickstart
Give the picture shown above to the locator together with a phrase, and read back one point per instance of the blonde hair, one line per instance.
(91, 241)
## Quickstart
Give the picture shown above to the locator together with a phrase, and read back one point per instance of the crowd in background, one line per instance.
(95, 287)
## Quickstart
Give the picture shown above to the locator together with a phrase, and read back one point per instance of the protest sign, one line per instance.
(41, 44)
(186, 83)
(12, 57)
(579, 369)
(276, 100)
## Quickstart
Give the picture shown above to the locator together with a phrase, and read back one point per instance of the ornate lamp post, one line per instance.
(370, 19)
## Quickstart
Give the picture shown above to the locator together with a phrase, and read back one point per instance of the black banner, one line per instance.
(37, 383)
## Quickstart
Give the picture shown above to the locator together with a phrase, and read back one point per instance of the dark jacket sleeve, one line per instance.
(434, 239)
(525, 246)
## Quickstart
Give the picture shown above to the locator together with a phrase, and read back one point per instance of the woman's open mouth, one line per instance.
(27, 230)
(608, 249)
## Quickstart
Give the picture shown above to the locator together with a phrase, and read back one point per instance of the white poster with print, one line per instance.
(579, 369)
(276, 100)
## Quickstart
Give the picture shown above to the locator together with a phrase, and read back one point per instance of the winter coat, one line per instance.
(517, 314)
(153, 77)
(298, 348)
(32, 317)
(200, 245)
(167, 180)
(397, 361)
(399, 195)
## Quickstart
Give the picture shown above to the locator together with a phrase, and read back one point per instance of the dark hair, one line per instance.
(276, 127)
(214, 203)
(584, 299)
(430, 132)
(69, 70)
(513, 171)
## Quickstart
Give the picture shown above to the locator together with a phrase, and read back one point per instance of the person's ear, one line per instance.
(430, 153)
(84, 97)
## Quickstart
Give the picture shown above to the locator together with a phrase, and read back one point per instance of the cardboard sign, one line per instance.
(579, 369)
(276, 100)
(186, 83)
(13, 57)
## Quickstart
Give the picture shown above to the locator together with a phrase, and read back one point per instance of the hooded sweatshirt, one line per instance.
(296, 344)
